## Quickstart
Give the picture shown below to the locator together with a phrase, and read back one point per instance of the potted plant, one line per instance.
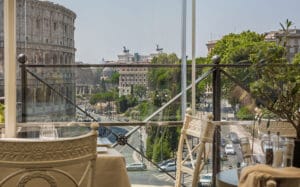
(277, 86)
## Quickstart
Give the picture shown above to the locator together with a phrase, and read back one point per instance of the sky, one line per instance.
(103, 27)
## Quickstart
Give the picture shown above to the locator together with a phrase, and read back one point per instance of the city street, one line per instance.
(152, 177)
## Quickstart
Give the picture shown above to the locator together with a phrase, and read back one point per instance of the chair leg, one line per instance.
(197, 166)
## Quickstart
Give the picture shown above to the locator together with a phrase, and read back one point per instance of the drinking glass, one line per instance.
(246, 150)
(267, 148)
(48, 132)
(288, 152)
(277, 151)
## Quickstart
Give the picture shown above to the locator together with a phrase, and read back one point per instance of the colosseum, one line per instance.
(45, 33)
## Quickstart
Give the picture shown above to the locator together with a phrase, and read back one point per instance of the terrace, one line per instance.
(144, 128)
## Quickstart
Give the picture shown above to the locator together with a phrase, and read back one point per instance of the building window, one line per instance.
(54, 25)
(37, 23)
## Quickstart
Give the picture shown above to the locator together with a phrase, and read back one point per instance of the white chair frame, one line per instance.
(203, 129)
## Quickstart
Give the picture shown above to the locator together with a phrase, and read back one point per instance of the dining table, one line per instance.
(111, 169)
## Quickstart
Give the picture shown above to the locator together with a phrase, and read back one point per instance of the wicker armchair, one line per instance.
(193, 161)
(38, 162)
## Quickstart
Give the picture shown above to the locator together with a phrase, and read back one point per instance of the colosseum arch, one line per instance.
(54, 59)
(40, 59)
(34, 59)
(63, 92)
(70, 59)
(61, 59)
(66, 58)
(47, 59)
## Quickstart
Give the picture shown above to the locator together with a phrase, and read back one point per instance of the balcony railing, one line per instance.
(145, 130)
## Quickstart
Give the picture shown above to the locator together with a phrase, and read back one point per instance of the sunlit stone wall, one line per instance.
(45, 33)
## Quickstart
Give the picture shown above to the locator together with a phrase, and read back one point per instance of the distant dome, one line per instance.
(107, 71)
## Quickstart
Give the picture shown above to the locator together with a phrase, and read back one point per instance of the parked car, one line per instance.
(234, 137)
(136, 167)
(205, 179)
(171, 166)
(164, 162)
(229, 150)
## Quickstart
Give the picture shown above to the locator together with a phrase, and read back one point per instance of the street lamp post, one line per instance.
(161, 137)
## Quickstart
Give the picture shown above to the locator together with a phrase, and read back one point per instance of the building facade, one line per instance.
(132, 76)
(292, 41)
(45, 33)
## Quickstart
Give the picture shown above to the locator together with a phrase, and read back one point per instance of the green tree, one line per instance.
(165, 83)
(296, 59)
(139, 91)
(123, 104)
(246, 48)
(160, 78)
(149, 148)
(244, 113)
(285, 27)
(1, 113)
(277, 89)
(114, 79)
(103, 97)
(277, 84)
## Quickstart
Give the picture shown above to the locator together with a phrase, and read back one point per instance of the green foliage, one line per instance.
(156, 150)
(278, 89)
(165, 85)
(245, 114)
(145, 109)
(2, 113)
(161, 150)
(122, 104)
(125, 102)
(160, 78)
(277, 84)
(271, 79)
(234, 48)
(201, 85)
(296, 59)
(115, 78)
(139, 91)
(149, 147)
(285, 27)
(172, 138)
(103, 97)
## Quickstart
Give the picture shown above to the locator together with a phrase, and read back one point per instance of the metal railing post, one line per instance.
(22, 60)
(217, 116)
